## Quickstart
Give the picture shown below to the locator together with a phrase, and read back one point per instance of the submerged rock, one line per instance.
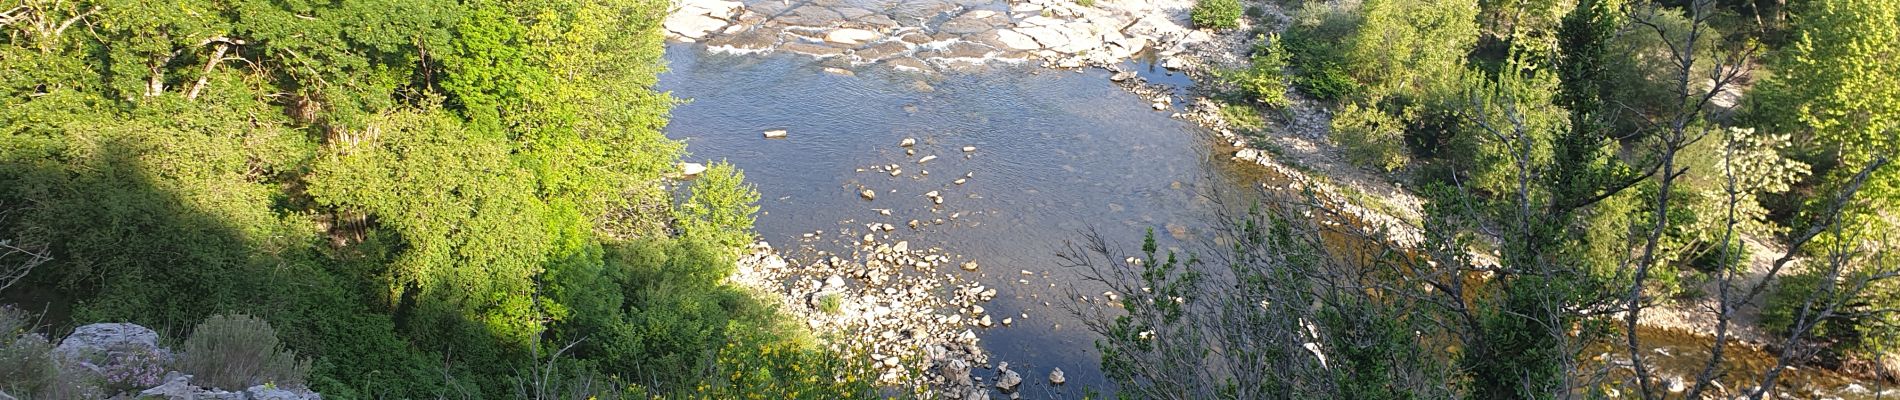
(1056, 377)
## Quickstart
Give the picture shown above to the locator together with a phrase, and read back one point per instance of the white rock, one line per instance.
(691, 170)
(850, 36)
(907, 142)
(869, 194)
(968, 149)
(1055, 377)
(775, 134)
(926, 159)
(1016, 40)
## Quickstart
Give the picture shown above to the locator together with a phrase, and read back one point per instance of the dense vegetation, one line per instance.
(1586, 166)
(426, 199)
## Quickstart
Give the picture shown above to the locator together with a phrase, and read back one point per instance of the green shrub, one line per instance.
(1264, 81)
(1216, 14)
(1242, 118)
(239, 351)
(1370, 137)
(1085, 3)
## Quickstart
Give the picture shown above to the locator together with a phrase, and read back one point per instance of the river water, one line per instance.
(1056, 153)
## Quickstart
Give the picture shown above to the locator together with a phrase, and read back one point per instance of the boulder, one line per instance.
(107, 339)
(775, 134)
(1056, 377)
(1006, 379)
(176, 386)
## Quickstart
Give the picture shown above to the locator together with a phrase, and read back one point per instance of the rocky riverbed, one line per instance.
(933, 35)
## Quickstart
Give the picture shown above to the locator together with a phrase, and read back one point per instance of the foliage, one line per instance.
(1216, 14)
(417, 194)
(1316, 54)
(26, 357)
(1371, 137)
(239, 351)
(1264, 80)
(1836, 90)
(131, 368)
(719, 211)
(1508, 127)
(1408, 48)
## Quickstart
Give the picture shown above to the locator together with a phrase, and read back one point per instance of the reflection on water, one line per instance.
(1054, 153)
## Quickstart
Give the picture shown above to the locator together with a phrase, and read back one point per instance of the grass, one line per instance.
(830, 303)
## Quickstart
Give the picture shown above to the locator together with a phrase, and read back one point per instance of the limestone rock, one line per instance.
(775, 134)
(108, 338)
(691, 170)
(1016, 40)
(262, 392)
(850, 36)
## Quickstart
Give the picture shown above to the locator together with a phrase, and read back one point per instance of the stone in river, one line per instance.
(850, 36)
(1006, 379)
(775, 134)
(690, 170)
(1055, 377)
(968, 149)
(908, 142)
(926, 159)
(868, 194)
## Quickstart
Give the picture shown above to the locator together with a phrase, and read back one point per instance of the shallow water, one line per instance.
(1056, 153)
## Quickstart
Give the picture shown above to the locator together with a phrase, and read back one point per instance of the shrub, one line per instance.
(1216, 14)
(26, 361)
(1242, 118)
(132, 368)
(239, 351)
(1085, 3)
(1370, 137)
(1263, 81)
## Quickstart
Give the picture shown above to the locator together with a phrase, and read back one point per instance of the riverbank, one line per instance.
(1301, 160)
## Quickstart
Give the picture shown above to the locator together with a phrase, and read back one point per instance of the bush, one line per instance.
(1216, 14)
(1263, 81)
(239, 351)
(1370, 137)
(26, 361)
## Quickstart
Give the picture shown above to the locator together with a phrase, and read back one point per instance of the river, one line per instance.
(1055, 153)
